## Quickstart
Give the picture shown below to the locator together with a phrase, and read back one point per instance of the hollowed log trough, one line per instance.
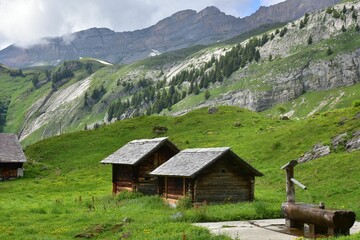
(316, 220)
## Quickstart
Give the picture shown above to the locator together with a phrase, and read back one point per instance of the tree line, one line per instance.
(164, 94)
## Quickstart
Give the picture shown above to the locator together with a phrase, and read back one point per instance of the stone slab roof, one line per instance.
(190, 162)
(10, 149)
(137, 150)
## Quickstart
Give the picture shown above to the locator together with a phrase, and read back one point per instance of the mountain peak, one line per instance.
(183, 29)
(210, 10)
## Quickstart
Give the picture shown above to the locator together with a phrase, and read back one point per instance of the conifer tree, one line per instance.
(207, 95)
(310, 40)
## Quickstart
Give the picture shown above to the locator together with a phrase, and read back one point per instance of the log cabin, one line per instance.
(132, 164)
(12, 157)
(211, 175)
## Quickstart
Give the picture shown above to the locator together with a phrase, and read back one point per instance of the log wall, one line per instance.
(9, 170)
(138, 178)
(123, 178)
(175, 187)
(224, 182)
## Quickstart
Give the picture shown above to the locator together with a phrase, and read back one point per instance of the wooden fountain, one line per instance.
(313, 219)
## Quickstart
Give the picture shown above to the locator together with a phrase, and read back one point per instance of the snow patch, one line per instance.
(103, 62)
(154, 53)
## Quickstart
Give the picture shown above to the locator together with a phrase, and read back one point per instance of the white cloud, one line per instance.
(24, 22)
(270, 2)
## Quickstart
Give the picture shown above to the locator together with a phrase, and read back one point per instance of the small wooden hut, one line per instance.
(132, 164)
(12, 157)
(207, 174)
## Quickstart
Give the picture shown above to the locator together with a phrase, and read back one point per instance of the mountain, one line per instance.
(181, 30)
(271, 70)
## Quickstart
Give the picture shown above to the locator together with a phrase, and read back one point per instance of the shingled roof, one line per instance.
(190, 162)
(10, 149)
(137, 150)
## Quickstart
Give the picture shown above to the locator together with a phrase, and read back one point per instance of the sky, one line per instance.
(25, 22)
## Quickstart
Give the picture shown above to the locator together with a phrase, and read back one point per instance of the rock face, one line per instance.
(317, 152)
(183, 29)
(354, 143)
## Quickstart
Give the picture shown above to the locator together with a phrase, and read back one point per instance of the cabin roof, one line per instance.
(190, 162)
(10, 149)
(137, 150)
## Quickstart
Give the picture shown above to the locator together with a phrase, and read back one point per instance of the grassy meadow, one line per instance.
(66, 192)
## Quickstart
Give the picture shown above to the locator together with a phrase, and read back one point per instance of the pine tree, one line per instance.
(310, 40)
(207, 95)
(354, 15)
(357, 28)
(343, 28)
(191, 88)
(329, 51)
(196, 89)
(283, 31)
(302, 24)
(257, 56)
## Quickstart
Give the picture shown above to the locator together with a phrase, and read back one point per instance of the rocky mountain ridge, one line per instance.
(181, 30)
(288, 67)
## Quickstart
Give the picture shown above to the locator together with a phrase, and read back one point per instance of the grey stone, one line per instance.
(339, 140)
(318, 151)
(177, 216)
(212, 110)
(354, 143)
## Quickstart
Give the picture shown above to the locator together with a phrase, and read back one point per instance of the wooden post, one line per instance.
(166, 187)
(184, 187)
(290, 191)
(290, 188)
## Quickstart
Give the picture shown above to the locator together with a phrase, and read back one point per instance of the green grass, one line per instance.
(67, 192)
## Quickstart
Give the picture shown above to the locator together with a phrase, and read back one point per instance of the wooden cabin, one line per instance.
(12, 157)
(213, 175)
(132, 164)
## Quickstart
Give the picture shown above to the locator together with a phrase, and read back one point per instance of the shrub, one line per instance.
(335, 14)
(329, 10)
(185, 203)
(356, 103)
(276, 145)
(128, 195)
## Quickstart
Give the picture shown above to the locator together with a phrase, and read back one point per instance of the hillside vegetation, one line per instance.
(67, 193)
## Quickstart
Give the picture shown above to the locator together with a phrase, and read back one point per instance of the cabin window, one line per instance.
(223, 171)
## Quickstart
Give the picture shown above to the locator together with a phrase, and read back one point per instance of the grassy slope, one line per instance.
(331, 99)
(46, 202)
